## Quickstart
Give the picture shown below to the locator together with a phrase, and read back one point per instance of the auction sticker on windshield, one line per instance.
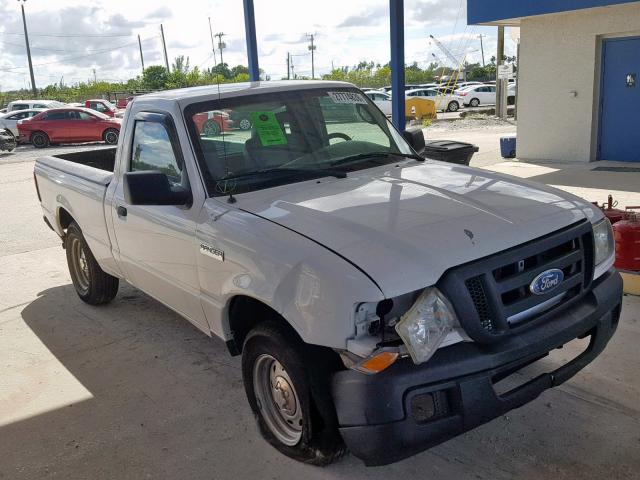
(268, 128)
(350, 98)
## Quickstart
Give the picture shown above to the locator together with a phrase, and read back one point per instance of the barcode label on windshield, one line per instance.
(350, 98)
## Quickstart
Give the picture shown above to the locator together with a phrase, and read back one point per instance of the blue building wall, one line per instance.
(488, 11)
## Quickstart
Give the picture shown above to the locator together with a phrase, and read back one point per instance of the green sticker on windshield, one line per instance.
(268, 128)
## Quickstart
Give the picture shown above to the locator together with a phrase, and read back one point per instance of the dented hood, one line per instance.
(405, 225)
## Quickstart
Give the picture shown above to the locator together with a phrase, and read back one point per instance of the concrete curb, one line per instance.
(631, 282)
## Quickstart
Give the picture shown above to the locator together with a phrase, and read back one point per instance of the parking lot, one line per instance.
(130, 390)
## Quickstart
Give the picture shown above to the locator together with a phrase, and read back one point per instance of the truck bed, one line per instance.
(95, 166)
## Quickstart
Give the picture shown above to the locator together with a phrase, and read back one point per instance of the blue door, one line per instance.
(620, 100)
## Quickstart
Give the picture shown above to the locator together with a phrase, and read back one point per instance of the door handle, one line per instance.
(122, 211)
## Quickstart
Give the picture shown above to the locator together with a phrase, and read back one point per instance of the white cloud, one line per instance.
(346, 33)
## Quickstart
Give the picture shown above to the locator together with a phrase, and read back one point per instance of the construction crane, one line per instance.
(457, 64)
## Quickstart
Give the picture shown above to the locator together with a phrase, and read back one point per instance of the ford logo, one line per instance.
(546, 282)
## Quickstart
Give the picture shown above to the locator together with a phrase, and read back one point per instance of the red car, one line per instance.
(69, 125)
(212, 123)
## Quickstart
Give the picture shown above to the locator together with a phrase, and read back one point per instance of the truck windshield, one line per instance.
(259, 141)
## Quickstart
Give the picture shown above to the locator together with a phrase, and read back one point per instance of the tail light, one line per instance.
(463, 94)
(35, 180)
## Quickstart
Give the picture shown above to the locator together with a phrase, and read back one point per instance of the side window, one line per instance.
(19, 106)
(57, 116)
(84, 115)
(39, 105)
(152, 150)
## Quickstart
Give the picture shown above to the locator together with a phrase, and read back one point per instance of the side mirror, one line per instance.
(151, 187)
(415, 138)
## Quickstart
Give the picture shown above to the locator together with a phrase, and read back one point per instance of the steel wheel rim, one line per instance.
(245, 124)
(79, 265)
(277, 399)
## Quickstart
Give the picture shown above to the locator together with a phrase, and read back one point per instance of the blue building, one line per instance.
(579, 67)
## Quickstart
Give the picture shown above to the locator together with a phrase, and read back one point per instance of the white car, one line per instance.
(29, 104)
(10, 120)
(444, 102)
(381, 99)
(477, 95)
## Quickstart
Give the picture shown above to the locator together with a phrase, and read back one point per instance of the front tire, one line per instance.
(93, 285)
(289, 394)
(40, 140)
(110, 136)
(453, 106)
(474, 102)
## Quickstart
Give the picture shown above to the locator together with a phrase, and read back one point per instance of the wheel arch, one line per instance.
(242, 314)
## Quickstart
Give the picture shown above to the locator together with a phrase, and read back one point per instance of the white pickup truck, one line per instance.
(377, 297)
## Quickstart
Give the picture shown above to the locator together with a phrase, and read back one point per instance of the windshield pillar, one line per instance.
(396, 15)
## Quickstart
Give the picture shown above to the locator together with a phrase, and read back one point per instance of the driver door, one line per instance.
(156, 243)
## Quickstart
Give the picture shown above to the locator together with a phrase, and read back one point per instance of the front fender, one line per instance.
(314, 289)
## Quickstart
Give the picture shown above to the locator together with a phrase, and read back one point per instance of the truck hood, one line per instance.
(406, 224)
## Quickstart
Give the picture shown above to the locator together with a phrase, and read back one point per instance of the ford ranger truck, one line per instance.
(377, 297)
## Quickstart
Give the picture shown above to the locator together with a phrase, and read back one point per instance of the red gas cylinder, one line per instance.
(627, 235)
(613, 214)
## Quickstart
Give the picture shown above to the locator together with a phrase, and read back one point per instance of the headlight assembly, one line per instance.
(604, 245)
(426, 324)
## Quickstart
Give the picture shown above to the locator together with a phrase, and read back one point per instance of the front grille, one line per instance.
(492, 296)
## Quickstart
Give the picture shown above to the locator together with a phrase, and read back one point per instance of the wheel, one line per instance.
(110, 136)
(211, 128)
(453, 106)
(93, 285)
(288, 392)
(244, 124)
(474, 102)
(40, 140)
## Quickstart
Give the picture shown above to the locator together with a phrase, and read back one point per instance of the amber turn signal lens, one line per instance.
(378, 362)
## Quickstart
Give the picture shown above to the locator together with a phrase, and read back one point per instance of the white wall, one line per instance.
(559, 54)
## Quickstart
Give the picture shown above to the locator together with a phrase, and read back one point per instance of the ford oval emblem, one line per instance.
(546, 282)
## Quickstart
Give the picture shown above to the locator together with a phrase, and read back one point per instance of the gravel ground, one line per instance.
(470, 123)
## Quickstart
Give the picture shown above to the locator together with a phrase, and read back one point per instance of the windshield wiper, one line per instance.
(311, 172)
(369, 156)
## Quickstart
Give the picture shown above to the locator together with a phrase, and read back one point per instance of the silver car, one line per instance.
(10, 120)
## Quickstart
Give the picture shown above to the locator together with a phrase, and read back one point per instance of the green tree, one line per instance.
(154, 77)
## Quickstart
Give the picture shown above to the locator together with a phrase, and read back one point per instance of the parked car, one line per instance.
(29, 104)
(8, 140)
(381, 99)
(212, 123)
(445, 102)
(10, 120)
(409, 86)
(104, 106)
(68, 125)
(123, 102)
(476, 95)
(376, 298)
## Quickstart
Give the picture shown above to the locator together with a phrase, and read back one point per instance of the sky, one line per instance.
(72, 38)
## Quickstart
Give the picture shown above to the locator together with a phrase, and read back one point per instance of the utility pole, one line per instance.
(501, 84)
(288, 66)
(141, 56)
(221, 44)
(213, 44)
(482, 49)
(312, 48)
(164, 48)
(95, 79)
(26, 39)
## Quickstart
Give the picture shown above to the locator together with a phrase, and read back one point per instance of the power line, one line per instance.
(69, 35)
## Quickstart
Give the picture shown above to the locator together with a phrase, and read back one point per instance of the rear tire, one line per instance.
(289, 394)
(245, 124)
(110, 136)
(93, 285)
(40, 140)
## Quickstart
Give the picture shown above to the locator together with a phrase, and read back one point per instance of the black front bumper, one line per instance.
(377, 414)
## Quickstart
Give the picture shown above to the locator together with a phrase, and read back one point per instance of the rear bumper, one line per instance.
(386, 417)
